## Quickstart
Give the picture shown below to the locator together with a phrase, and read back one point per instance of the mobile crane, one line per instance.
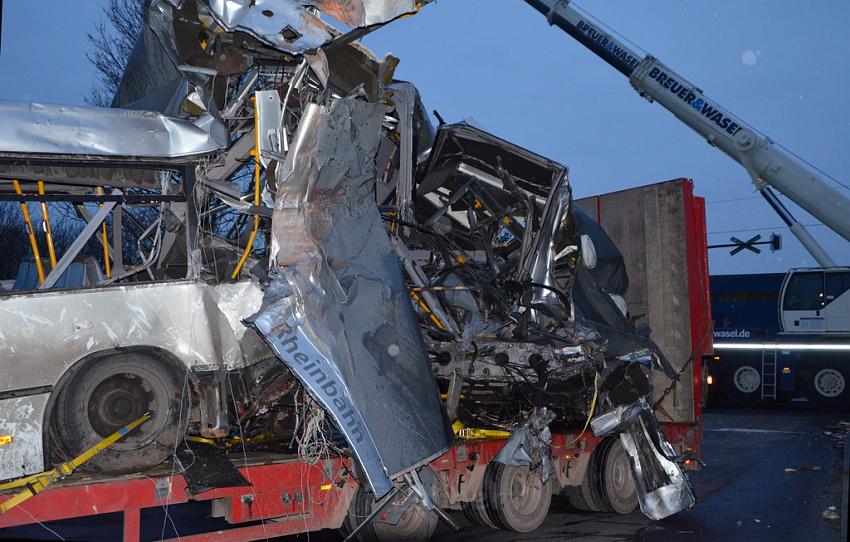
(813, 305)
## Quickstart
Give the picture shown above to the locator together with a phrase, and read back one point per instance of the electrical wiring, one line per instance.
(592, 409)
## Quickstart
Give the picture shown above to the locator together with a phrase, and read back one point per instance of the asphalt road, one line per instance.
(744, 493)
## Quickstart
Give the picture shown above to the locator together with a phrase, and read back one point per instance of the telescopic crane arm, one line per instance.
(768, 164)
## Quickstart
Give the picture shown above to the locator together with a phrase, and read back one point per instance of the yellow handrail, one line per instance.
(107, 266)
(33, 241)
(48, 231)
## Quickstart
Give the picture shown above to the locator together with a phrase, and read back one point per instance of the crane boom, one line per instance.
(768, 164)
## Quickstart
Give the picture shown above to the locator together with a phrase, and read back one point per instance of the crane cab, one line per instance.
(815, 301)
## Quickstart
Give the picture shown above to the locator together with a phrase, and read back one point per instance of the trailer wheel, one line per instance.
(476, 511)
(516, 498)
(618, 484)
(589, 496)
(416, 523)
(107, 393)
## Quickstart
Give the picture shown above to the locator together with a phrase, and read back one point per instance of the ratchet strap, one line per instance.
(36, 483)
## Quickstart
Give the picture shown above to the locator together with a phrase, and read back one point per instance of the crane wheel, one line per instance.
(516, 498)
(830, 387)
(108, 392)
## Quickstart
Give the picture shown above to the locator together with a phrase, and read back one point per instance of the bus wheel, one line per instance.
(109, 392)
(416, 524)
(516, 498)
(618, 484)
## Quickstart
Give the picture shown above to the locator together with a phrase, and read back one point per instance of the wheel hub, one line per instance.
(526, 491)
(746, 379)
(829, 383)
(118, 400)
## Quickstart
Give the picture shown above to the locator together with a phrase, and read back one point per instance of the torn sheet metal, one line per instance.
(550, 243)
(34, 130)
(358, 13)
(289, 26)
(283, 24)
(662, 487)
(528, 445)
(338, 313)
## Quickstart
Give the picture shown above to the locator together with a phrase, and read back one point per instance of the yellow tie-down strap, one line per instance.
(472, 433)
(36, 483)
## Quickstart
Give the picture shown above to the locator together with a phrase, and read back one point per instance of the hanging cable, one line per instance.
(257, 167)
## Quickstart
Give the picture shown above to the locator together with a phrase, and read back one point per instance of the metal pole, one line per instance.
(799, 231)
(79, 243)
(33, 242)
(48, 231)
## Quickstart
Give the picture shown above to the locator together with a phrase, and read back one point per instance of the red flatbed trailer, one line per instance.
(286, 496)
(289, 497)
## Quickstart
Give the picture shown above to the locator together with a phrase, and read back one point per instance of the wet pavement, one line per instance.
(743, 493)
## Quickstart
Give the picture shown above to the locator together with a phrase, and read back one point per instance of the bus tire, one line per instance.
(108, 392)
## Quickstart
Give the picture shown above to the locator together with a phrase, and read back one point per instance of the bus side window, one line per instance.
(804, 292)
(836, 284)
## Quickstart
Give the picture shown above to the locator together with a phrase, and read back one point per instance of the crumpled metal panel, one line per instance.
(283, 24)
(529, 443)
(338, 313)
(357, 13)
(289, 26)
(550, 245)
(41, 129)
(662, 487)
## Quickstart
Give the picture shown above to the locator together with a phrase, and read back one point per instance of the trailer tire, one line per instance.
(476, 511)
(618, 484)
(108, 392)
(415, 525)
(588, 496)
(516, 499)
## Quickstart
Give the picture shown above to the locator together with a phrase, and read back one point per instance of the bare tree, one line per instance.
(110, 46)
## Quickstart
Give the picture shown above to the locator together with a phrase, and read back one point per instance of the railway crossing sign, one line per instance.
(737, 245)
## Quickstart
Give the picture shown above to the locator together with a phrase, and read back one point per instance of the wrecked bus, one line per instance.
(326, 273)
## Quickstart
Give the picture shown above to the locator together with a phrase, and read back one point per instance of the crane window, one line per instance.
(836, 284)
(804, 292)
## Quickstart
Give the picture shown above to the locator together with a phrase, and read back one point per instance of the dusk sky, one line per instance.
(781, 66)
